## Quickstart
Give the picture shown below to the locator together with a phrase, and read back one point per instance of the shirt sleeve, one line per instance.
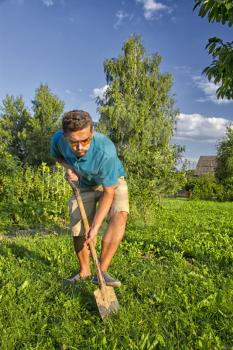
(108, 175)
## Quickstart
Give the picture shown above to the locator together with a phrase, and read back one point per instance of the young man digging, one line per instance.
(91, 159)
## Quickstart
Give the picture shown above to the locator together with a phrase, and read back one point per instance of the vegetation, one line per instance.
(138, 114)
(177, 286)
(220, 185)
(26, 136)
(14, 126)
(46, 121)
(217, 11)
(224, 171)
(204, 187)
(32, 197)
(221, 68)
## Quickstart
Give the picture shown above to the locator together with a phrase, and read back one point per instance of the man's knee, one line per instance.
(124, 215)
(121, 216)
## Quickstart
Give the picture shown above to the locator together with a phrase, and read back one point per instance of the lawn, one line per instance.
(177, 293)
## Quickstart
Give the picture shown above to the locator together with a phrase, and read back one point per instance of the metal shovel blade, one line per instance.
(106, 301)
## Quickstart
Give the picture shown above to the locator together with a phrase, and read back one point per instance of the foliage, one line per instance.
(176, 292)
(27, 137)
(14, 127)
(32, 197)
(204, 187)
(221, 68)
(138, 114)
(224, 170)
(45, 121)
(7, 162)
(217, 11)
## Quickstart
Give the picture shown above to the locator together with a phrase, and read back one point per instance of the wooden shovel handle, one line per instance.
(87, 228)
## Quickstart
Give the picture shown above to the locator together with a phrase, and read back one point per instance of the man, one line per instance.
(91, 159)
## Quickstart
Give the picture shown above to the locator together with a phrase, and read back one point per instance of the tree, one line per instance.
(217, 11)
(14, 127)
(224, 171)
(221, 68)
(27, 137)
(138, 114)
(47, 110)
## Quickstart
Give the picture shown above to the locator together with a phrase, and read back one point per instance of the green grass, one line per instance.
(177, 291)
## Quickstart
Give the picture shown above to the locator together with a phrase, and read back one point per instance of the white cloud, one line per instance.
(152, 7)
(48, 3)
(99, 92)
(196, 127)
(121, 15)
(209, 89)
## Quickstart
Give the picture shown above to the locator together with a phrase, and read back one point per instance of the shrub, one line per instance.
(30, 196)
(205, 187)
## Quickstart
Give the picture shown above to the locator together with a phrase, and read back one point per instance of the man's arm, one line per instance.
(102, 211)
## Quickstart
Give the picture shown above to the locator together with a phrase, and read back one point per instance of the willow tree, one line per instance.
(137, 113)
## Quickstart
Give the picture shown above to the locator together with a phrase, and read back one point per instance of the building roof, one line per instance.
(206, 165)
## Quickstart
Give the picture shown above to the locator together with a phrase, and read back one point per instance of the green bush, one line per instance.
(205, 187)
(228, 190)
(32, 196)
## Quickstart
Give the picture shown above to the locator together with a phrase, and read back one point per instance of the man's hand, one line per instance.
(91, 235)
(71, 175)
(101, 213)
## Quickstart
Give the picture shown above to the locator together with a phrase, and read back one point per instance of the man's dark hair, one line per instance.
(76, 120)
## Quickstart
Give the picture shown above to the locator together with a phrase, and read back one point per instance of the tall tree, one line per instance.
(14, 126)
(138, 114)
(47, 110)
(221, 68)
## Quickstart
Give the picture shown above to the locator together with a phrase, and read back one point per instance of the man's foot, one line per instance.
(109, 280)
(77, 278)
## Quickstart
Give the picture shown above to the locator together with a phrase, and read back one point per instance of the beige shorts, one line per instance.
(91, 197)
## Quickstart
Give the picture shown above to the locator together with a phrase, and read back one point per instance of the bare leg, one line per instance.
(112, 238)
(83, 255)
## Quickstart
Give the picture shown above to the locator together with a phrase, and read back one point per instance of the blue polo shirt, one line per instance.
(99, 166)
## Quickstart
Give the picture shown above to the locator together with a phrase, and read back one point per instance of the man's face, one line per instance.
(80, 140)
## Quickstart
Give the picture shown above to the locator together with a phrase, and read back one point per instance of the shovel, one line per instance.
(105, 296)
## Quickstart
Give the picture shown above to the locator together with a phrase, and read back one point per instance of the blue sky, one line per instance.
(64, 43)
